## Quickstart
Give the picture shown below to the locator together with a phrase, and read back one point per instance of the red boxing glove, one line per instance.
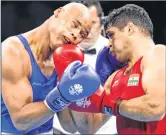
(99, 102)
(64, 55)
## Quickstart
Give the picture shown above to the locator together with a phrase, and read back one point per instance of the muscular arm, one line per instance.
(17, 92)
(150, 107)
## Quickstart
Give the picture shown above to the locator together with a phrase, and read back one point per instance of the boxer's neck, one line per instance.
(38, 40)
(140, 48)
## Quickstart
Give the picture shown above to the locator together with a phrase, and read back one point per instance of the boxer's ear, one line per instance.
(130, 28)
(58, 11)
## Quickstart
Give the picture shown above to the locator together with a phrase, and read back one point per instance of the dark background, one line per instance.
(21, 16)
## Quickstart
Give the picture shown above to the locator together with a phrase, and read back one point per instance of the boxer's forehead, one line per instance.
(81, 16)
(81, 19)
(79, 12)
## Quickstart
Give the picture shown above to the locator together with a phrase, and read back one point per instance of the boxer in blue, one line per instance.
(30, 95)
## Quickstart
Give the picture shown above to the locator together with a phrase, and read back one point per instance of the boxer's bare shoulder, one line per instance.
(159, 49)
(153, 71)
(15, 63)
(12, 42)
(16, 89)
(15, 58)
(155, 55)
(160, 45)
(159, 52)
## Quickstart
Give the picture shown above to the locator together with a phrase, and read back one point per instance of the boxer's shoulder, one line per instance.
(13, 46)
(160, 45)
(160, 48)
(13, 41)
(15, 57)
(157, 52)
(155, 56)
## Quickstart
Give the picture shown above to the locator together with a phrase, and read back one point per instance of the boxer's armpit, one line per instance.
(107, 85)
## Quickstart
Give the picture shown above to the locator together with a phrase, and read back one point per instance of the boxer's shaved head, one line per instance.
(74, 24)
(77, 9)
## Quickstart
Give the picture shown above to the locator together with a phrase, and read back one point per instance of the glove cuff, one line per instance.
(110, 105)
(116, 107)
(55, 101)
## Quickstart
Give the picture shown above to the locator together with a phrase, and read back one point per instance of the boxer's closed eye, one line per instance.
(109, 35)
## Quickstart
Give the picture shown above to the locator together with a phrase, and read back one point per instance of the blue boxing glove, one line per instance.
(106, 64)
(78, 81)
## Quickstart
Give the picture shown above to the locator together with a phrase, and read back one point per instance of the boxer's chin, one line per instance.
(121, 60)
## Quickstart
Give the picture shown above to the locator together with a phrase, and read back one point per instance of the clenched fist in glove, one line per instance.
(65, 55)
(106, 64)
(99, 102)
(76, 80)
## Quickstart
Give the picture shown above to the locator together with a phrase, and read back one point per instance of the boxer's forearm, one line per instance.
(32, 116)
(96, 121)
(80, 120)
(143, 108)
(88, 123)
(66, 121)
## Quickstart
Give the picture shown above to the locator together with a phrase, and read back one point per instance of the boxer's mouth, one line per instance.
(67, 40)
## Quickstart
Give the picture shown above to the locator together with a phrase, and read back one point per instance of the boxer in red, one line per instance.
(136, 93)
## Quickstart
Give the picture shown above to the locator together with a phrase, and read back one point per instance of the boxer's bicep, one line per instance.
(154, 78)
(16, 89)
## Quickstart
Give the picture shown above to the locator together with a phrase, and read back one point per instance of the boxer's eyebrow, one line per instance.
(78, 22)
